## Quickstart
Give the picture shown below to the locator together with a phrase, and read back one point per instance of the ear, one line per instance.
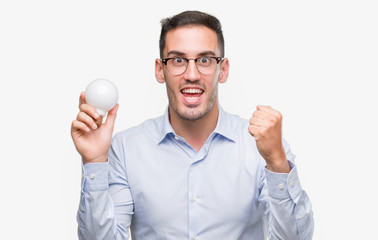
(224, 68)
(159, 72)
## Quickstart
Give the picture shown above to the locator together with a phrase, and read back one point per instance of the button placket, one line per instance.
(192, 199)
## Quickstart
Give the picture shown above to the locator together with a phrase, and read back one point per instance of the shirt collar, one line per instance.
(166, 127)
(223, 127)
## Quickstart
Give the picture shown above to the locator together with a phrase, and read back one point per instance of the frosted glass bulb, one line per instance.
(101, 94)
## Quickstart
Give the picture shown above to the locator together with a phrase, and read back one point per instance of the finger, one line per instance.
(261, 114)
(262, 107)
(77, 125)
(82, 99)
(112, 116)
(253, 130)
(90, 111)
(259, 122)
(87, 120)
(265, 116)
(269, 110)
(250, 130)
(99, 120)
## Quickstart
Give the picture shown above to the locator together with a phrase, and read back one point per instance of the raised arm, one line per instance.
(287, 207)
(106, 205)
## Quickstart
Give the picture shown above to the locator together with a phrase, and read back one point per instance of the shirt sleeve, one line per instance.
(106, 204)
(287, 207)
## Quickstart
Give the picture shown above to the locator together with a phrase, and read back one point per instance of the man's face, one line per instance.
(192, 94)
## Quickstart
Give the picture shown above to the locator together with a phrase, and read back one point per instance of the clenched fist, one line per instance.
(265, 127)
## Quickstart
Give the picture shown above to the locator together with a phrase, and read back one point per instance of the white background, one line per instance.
(314, 61)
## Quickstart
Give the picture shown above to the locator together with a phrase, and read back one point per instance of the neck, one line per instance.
(195, 132)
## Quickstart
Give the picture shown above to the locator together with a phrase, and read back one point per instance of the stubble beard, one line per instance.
(192, 113)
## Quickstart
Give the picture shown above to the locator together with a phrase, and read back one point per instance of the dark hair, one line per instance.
(191, 18)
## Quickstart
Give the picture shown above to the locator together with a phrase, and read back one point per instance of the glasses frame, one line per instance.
(165, 61)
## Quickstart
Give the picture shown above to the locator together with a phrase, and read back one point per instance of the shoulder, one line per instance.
(148, 129)
(235, 128)
(235, 123)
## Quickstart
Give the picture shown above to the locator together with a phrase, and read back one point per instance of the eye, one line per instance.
(204, 60)
(178, 60)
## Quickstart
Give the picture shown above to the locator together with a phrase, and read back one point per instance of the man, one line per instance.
(196, 172)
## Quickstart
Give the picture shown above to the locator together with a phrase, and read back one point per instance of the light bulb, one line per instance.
(101, 94)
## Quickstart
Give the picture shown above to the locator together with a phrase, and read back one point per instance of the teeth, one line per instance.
(192, 90)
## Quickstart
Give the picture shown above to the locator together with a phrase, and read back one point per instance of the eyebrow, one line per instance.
(178, 53)
(207, 53)
(175, 53)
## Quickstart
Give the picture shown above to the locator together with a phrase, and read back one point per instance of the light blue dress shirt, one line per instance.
(157, 185)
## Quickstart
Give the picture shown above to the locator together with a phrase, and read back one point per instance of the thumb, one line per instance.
(112, 116)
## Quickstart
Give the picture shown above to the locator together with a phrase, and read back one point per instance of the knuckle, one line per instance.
(278, 115)
(83, 107)
(263, 131)
(81, 115)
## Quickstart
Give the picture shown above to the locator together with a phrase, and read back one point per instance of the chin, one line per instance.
(193, 113)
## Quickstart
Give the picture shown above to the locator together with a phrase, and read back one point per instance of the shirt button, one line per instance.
(92, 176)
(195, 238)
(299, 216)
(194, 198)
(292, 184)
(281, 186)
(176, 138)
(81, 208)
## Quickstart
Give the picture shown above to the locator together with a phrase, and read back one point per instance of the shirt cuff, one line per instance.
(95, 177)
(284, 185)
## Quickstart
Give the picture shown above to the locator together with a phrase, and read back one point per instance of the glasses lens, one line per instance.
(206, 65)
(176, 66)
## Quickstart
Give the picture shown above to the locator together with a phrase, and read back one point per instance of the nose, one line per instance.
(192, 73)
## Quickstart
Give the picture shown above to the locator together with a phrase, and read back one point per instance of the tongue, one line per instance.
(192, 94)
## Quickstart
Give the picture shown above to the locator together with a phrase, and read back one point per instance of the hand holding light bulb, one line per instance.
(92, 139)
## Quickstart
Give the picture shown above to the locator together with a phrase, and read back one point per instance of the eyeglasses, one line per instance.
(178, 65)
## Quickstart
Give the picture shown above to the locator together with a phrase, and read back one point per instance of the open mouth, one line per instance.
(192, 95)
